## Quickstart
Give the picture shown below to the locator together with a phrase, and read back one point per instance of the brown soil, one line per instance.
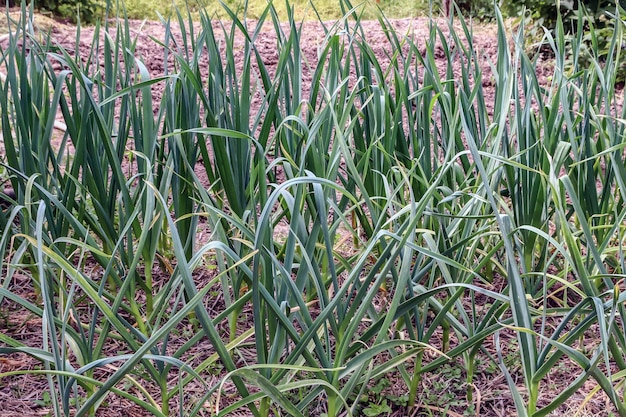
(440, 393)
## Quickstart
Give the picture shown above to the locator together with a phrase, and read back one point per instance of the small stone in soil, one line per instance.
(5, 200)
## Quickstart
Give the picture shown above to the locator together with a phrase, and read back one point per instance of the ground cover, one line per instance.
(372, 218)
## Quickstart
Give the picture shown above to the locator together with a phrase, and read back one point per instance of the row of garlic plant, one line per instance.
(439, 197)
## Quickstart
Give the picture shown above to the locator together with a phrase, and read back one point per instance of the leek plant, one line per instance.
(440, 199)
(549, 154)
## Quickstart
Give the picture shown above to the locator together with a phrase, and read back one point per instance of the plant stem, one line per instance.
(417, 377)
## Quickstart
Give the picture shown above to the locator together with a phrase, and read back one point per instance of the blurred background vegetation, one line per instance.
(543, 12)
